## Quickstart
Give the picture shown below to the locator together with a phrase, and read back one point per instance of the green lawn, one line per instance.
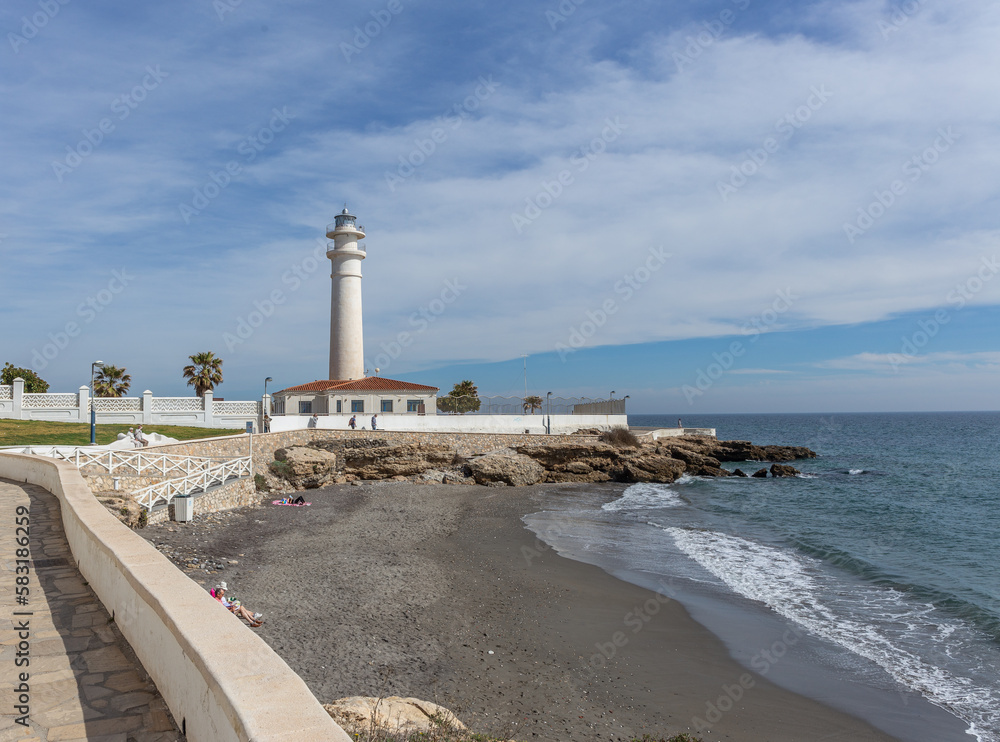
(44, 433)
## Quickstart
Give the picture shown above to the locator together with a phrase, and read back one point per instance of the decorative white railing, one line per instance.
(137, 463)
(178, 404)
(166, 491)
(140, 462)
(6, 392)
(118, 404)
(236, 408)
(50, 401)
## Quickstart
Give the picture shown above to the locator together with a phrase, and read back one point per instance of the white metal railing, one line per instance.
(141, 462)
(137, 462)
(50, 401)
(166, 491)
(6, 392)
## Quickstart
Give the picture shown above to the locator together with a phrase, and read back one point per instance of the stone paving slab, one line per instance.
(85, 682)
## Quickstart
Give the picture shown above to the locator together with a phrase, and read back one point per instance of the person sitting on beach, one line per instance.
(219, 593)
(139, 437)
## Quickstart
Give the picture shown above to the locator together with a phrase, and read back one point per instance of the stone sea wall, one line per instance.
(265, 444)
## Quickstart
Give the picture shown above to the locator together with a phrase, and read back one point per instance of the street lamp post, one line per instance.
(548, 407)
(93, 405)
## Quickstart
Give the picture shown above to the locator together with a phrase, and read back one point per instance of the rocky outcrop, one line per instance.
(575, 460)
(781, 470)
(392, 715)
(760, 474)
(305, 467)
(739, 473)
(514, 469)
(374, 459)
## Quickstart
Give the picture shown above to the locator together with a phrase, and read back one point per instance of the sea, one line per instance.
(870, 582)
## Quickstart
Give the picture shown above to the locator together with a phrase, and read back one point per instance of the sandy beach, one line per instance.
(439, 592)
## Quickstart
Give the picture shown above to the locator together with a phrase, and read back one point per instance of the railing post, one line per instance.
(208, 401)
(147, 407)
(83, 408)
(18, 393)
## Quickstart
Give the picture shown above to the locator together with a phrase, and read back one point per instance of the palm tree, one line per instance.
(532, 404)
(112, 381)
(204, 373)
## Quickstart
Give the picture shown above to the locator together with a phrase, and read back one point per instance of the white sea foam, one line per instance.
(645, 495)
(856, 471)
(876, 623)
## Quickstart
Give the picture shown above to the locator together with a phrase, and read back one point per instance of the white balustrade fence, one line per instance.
(178, 404)
(199, 412)
(49, 401)
(148, 497)
(117, 404)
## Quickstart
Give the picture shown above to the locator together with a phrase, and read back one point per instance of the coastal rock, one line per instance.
(394, 715)
(385, 462)
(305, 467)
(432, 476)
(739, 473)
(515, 469)
(760, 473)
(781, 470)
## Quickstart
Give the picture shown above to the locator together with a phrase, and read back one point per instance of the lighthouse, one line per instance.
(346, 342)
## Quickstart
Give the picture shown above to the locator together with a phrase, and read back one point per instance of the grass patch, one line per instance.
(620, 438)
(47, 433)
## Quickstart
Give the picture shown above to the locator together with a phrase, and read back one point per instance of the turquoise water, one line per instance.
(885, 550)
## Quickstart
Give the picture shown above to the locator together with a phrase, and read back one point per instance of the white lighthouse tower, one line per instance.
(347, 350)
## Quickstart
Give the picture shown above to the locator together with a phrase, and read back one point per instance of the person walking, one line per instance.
(374, 422)
(353, 422)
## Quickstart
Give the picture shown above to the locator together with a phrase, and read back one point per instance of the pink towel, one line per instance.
(292, 504)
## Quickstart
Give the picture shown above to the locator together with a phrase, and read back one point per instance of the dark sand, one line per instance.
(428, 580)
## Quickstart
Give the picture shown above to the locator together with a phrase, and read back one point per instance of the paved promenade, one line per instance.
(84, 681)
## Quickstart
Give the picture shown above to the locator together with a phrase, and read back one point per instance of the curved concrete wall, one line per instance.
(219, 679)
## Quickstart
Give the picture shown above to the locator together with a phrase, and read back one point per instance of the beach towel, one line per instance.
(291, 504)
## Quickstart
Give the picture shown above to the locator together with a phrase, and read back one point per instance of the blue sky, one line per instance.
(711, 207)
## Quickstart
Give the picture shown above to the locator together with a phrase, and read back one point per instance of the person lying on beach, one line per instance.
(219, 593)
(300, 500)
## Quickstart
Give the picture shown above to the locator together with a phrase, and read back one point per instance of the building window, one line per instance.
(386, 405)
(305, 408)
(357, 405)
(413, 405)
(340, 406)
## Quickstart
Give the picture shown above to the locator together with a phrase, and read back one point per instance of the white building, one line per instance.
(367, 396)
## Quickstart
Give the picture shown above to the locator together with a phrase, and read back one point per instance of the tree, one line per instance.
(532, 403)
(204, 373)
(463, 398)
(112, 381)
(33, 383)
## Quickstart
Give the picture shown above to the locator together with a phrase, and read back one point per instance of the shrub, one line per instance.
(620, 438)
(281, 468)
(260, 483)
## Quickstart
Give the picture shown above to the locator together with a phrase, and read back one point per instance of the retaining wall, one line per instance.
(470, 424)
(236, 494)
(221, 682)
(265, 444)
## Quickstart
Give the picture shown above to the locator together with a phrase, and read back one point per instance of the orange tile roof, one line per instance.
(367, 384)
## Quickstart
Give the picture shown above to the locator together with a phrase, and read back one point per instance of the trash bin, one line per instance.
(183, 508)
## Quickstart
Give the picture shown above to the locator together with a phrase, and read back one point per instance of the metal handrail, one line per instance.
(149, 496)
